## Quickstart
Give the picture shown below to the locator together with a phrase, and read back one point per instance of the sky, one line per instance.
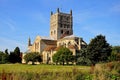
(21, 19)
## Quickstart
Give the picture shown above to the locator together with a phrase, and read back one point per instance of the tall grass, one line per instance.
(41, 72)
(107, 71)
(104, 71)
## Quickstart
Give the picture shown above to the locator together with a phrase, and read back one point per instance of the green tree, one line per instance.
(4, 58)
(63, 55)
(6, 51)
(82, 58)
(55, 58)
(115, 54)
(98, 50)
(15, 57)
(17, 54)
(33, 57)
(12, 57)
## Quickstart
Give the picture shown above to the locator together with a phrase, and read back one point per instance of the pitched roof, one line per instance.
(46, 38)
(70, 36)
(57, 48)
(49, 48)
(72, 47)
(50, 42)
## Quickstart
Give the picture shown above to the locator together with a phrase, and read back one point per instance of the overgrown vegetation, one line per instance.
(107, 71)
(115, 54)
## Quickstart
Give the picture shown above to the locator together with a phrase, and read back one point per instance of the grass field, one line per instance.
(43, 72)
(40, 68)
(104, 71)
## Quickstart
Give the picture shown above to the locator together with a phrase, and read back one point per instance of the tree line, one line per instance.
(12, 57)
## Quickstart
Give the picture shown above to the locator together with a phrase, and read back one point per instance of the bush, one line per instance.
(107, 71)
(82, 76)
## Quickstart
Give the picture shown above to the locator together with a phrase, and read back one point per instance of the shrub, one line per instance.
(108, 71)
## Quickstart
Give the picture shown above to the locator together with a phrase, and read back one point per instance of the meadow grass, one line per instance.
(104, 71)
(40, 68)
(41, 72)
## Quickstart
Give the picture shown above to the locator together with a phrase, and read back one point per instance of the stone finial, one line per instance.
(51, 13)
(71, 12)
(58, 10)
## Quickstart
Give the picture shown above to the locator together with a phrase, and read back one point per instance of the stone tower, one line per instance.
(61, 24)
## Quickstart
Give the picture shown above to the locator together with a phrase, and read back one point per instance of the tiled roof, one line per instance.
(46, 38)
(49, 48)
(57, 48)
(71, 36)
(72, 47)
(43, 37)
(50, 42)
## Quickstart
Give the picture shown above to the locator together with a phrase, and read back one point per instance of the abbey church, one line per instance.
(61, 34)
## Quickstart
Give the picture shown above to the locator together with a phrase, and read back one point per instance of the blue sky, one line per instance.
(20, 19)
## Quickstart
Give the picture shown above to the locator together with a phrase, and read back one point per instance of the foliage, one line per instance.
(12, 57)
(17, 53)
(15, 57)
(4, 58)
(82, 58)
(115, 54)
(98, 49)
(33, 56)
(83, 76)
(107, 71)
(43, 72)
(6, 51)
(63, 55)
